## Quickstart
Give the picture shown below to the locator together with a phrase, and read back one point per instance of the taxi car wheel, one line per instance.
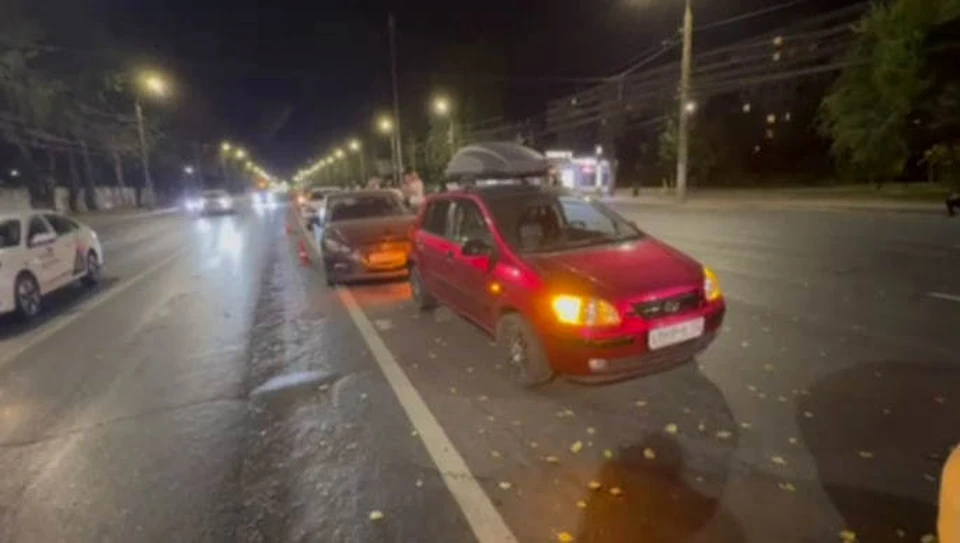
(523, 350)
(27, 295)
(94, 270)
(421, 296)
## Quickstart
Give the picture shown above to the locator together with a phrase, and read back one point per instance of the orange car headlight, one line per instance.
(711, 285)
(577, 310)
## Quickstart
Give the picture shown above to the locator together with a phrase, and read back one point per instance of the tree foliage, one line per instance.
(866, 113)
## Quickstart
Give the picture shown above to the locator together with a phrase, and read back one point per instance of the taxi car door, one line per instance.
(67, 246)
(42, 256)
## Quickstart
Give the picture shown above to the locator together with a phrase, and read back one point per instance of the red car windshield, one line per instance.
(541, 222)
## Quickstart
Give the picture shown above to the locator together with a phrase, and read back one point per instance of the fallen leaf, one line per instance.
(687, 411)
(516, 422)
(495, 454)
(591, 430)
(670, 428)
(504, 485)
(762, 395)
(551, 459)
(768, 367)
(608, 454)
(481, 430)
(414, 433)
(483, 397)
(534, 445)
(751, 388)
(928, 538)
(792, 440)
(702, 427)
(866, 454)
(808, 414)
(782, 399)
(744, 344)
(581, 504)
(469, 369)
(746, 425)
(453, 390)
(594, 485)
(616, 491)
(419, 483)
(649, 453)
(778, 460)
(640, 403)
(491, 418)
(848, 536)
(698, 478)
(901, 533)
(575, 448)
(886, 411)
(568, 412)
(376, 515)
(564, 537)
(723, 434)
(929, 477)
(363, 396)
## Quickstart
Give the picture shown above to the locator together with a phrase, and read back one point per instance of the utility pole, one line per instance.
(144, 154)
(398, 163)
(683, 136)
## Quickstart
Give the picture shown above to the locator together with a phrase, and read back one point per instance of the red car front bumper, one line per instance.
(625, 353)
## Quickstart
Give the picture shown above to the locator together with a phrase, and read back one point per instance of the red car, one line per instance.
(564, 283)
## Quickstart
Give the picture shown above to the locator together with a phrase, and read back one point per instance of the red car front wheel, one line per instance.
(524, 351)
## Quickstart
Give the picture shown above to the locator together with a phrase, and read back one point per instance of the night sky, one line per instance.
(290, 79)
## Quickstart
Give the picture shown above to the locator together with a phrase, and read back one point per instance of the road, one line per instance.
(213, 389)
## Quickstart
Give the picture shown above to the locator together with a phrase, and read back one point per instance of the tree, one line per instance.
(703, 155)
(866, 113)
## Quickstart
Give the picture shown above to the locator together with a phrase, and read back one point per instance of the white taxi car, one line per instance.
(42, 251)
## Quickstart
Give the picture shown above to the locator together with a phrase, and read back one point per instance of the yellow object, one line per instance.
(564, 537)
(711, 285)
(577, 310)
(948, 524)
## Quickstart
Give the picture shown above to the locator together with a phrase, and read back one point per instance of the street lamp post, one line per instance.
(385, 126)
(356, 147)
(683, 136)
(224, 151)
(442, 107)
(156, 86)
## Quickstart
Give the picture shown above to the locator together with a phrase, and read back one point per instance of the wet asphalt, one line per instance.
(214, 389)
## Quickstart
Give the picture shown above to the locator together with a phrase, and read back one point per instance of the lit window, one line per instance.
(747, 107)
(771, 119)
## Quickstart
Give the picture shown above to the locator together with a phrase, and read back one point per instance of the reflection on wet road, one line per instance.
(215, 389)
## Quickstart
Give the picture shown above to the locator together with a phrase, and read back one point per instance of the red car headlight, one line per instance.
(581, 311)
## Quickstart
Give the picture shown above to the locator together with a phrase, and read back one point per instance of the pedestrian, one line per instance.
(412, 188)
(373, 183)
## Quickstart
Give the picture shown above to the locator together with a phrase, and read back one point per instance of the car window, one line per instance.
(435, 217)
(581, 214)
(364, 206)
(543, 222)
(37, 226)
(9, 233)
(468, 222)
(61, 225)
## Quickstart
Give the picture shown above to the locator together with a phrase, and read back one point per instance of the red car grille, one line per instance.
(666, 307)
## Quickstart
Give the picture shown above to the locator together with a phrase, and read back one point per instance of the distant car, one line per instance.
(565, 284)
(42, 251)
(313, 202)
(364, 234)
(212, 202)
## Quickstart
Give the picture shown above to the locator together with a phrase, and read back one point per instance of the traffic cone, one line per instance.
(302, 251)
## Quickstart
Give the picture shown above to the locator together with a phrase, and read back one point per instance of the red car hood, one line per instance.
(366, 231)
(620, 271)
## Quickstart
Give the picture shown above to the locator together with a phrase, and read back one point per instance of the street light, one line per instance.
(240, 154)
(14, 173)
(338, 152)
(225, 146)
(356, 148)
(385, 126)
(443, 108)
(153, 84)
(188, 169)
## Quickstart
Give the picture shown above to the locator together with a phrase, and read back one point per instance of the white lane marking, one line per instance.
(51, 328)
(942, 296)
(487, 524)
(484, 519)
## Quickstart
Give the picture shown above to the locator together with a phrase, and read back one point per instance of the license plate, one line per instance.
(387, 258)
(675, 333)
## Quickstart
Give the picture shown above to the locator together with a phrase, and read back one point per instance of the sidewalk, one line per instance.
(811, 199)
